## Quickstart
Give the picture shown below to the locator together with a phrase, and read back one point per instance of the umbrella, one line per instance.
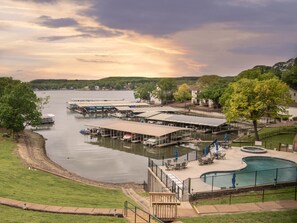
(226, 137)
(233, 180)
(217, 147)
(205, 150)
(176, 153)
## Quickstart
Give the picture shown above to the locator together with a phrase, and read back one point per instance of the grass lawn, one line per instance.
(261, 217)
(14, 215)
(271, 137)
(253, 196)
(18, 182)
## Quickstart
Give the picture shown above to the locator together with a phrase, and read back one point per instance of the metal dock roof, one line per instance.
(186, 119)
(136, 127)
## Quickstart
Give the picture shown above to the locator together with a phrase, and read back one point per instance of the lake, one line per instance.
(101, 159)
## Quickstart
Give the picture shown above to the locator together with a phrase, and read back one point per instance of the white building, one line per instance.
(294, 95)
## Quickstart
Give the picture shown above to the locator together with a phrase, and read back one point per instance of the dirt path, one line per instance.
(31, 149)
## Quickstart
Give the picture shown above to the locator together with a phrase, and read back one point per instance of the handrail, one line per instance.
(134, 210)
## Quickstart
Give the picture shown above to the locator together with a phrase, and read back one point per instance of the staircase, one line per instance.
(136, 215)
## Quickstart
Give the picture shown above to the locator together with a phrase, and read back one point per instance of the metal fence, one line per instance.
(264, 194)
(173, 184)
(221, 181)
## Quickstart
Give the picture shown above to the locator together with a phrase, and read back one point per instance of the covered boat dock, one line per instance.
(185, 121)
(120, 129)
(95, 107)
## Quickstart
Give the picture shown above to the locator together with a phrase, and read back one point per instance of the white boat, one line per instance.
(47, 119)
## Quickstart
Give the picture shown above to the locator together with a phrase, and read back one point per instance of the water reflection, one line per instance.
(136, 148)
(102, 159)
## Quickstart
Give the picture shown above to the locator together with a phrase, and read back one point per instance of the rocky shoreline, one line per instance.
(31, 149)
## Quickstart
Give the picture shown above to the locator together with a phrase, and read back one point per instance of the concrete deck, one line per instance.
(232, 162)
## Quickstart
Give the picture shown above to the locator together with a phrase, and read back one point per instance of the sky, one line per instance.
(93, 39)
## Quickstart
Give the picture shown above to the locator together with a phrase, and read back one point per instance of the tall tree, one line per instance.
(290, 76)
(165, 89)
(204, 81)
(252, 99)
(214, 91)
(144, 91)
(18, 105)
(183, 93)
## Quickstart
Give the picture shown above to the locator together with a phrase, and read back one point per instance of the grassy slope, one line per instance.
(272, 141)
(14, 215)
(261, 217)
(17, 182)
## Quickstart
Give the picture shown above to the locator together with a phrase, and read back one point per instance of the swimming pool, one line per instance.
(259, 171)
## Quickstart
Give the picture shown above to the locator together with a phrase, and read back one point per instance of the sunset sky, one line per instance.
(92, 39)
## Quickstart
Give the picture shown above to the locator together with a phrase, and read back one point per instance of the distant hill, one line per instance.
(110, 83)
(286, 71)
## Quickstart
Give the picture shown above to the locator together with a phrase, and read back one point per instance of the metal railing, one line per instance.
(232, 180)
(223, 181)
(173, 186)
(261, 195)
(139, 213)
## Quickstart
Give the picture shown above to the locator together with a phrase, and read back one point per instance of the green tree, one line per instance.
(290, 76)
(252, 99)
(18, 105)
(41, 102)
(204, 81)
(259, 72)
(165, 89)
(214, 91)
(183, 93)
(144, 91)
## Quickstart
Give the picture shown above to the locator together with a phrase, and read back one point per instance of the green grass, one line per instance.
(250, 197)
(14, 215)
(271, 137)
(261, 217)
(273, 142)
(18, 182)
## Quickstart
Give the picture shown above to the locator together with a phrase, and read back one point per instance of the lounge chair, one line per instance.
(178, 166)
(184, 165)
(222, 156)
(203, 160)
(210, 160)
(169, 166)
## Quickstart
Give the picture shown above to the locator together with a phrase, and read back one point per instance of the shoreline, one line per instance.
(31, 150)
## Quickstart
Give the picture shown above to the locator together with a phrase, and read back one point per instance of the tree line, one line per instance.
(251, 95)
(110, 83)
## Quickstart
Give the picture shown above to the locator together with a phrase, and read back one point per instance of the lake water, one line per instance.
(101, 159)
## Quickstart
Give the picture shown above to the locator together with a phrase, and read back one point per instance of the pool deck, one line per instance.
(232, 162)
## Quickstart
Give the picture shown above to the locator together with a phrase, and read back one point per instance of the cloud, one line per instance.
(164, 17)
(39, 1)
(96, 61)
(56, 38)
(56, 23)
(98, 31)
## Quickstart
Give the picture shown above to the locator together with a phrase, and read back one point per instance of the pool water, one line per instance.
(259, 171)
